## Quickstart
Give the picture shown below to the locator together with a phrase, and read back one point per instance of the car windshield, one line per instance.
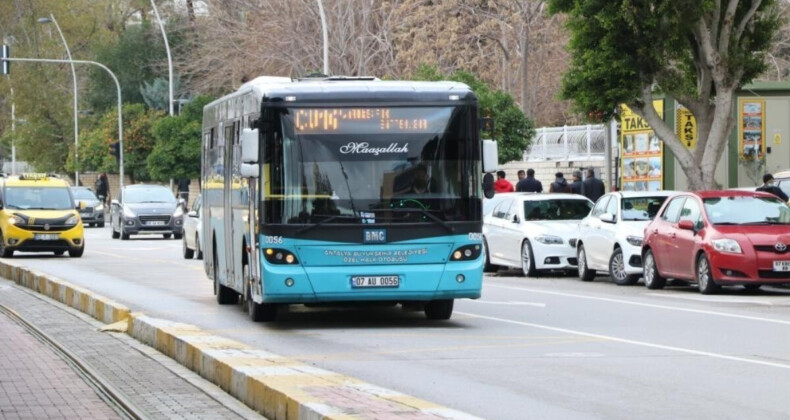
(641, 208)
(556, 209)
(148, 195)
(38, 198)
(747, 210)
(83, 194)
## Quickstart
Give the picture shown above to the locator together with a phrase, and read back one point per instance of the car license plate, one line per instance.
(781, 265)
(375, 281)
(46, 236)
(155, 223)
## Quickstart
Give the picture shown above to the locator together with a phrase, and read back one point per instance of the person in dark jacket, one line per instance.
(592, 187)
(576, 185)
(769, 187)
(103, 189)
(560, 184)
(502, 185)
(183, 189)
(529, 184)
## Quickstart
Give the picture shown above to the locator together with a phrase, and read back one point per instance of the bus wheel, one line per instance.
(439, 309)
(225, 295)
(261, 312)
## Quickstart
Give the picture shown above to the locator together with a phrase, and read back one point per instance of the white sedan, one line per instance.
(534, 231)
(610, 238)
(193, 226)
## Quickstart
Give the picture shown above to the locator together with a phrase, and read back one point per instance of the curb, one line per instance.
(277, 387)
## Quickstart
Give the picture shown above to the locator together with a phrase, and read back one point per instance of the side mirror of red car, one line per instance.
(686, 225)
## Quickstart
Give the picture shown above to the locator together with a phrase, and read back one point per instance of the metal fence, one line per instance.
(567, 143)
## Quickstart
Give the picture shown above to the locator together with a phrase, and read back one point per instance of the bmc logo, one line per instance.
(374, 236)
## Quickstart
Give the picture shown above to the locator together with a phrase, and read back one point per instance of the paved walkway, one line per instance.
(36, 383)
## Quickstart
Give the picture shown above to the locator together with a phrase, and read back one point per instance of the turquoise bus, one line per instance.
(344, 190)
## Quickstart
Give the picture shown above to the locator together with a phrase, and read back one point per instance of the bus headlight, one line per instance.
(466, 253)
(280, 256)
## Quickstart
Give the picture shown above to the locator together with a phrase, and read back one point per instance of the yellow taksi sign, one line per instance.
(686, 127)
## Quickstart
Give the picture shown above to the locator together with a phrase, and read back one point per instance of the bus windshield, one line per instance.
(372, 165)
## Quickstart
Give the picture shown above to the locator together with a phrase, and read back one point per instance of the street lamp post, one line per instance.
(325, 35)
(117, 87)
(169, 58)
(51, 19)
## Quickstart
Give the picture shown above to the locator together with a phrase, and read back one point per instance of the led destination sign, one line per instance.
(369, 120)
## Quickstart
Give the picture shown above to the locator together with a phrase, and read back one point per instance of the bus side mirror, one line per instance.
(488, 186)
(249, 145)
(490, 156)
(250, 170)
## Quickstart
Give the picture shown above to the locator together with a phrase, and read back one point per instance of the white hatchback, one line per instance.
(193, 227)
(534, 232)
(610, 238)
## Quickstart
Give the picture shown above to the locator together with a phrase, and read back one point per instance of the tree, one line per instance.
(176, 153)
(512, 129)
(697, 52)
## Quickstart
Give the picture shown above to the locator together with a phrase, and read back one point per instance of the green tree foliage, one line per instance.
(512, 130)
(176, 153)
(138, 142)
(697, 52)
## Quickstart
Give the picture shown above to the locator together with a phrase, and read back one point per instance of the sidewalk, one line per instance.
(36, 383)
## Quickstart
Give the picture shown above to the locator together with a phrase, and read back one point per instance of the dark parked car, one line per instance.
(93, 212)
(146, 210)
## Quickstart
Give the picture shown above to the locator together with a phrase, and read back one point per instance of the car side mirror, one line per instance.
(607, 218)
(687, 225)
(1, 205)
(115, 203)
(516, 219)
(81, 205)
(192, 214)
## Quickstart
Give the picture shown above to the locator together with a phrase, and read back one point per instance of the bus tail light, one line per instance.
(280, 256)
(466, 253)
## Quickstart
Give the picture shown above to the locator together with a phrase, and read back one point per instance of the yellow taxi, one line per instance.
(38, 214)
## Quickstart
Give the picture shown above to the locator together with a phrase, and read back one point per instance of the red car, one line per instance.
(718, 238)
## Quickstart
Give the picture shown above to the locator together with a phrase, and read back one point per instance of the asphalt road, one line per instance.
(547, 347)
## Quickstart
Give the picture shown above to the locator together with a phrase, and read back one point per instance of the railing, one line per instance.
(567, 143)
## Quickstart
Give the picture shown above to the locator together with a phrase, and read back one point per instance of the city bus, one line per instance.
(336, 191)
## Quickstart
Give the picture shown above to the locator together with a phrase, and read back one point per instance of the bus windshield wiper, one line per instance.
(328, 219)
(423, 211)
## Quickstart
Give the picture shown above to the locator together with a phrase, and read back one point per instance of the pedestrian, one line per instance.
(769, 187)
(593, 187)
(183, 189)
(102, 187)
(529, 184)
(521, 175)
(576, 186)
(560, 184)
(502, 185)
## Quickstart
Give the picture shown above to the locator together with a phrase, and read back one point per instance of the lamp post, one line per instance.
(51, 19)
(169, 58)
(325, 35)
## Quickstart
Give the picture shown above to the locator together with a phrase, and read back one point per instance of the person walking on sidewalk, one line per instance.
(593, 187)
(576, 186)
(102, 187)
(560, 184)
(529, 184)
(502, 185)
(183, 189)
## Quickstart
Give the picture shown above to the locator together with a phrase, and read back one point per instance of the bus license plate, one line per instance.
(155, 223)
(45, 237)
(781, 265)
(375, 281)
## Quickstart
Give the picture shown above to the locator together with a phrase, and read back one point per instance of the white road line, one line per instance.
(510, 302)
(646, 305)
(632, 342)
(722, 299)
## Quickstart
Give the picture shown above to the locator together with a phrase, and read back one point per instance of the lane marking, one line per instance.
(510, 302)
(646, 305)
(724, 299)
(632, 342)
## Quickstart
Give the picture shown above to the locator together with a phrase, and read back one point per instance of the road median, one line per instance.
(273, 385)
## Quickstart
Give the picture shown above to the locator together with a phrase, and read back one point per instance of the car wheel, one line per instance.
(5, 252)
(585, 274)
(124, 235)
(188, 253)
(76, 252)
(225, 295)
(439, 309)
(100, 224)
(527, 260)
(653, 279)
(115, 234)
(617, 270)
(91, 224)
(178, 235)
(59, 253)
(488, 267)
(259, 312)
(705, 282)
(198, 251)
(752, 287)
(167, 235)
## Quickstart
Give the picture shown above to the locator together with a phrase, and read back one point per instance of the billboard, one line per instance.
(641, 152)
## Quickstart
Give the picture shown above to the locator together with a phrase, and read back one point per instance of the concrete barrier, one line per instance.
(277, 387)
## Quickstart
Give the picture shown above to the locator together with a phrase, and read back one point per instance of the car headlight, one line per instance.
(100, 207)
(549, 239)
(73, 220)
(16, 220)
(634, 240)
(726, 245)
(127, 212)
(179, 212)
